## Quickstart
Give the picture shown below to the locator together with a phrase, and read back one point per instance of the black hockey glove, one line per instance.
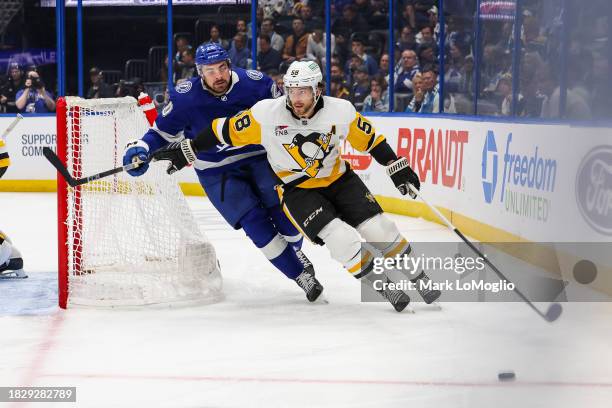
(402, 175)
(180, 155)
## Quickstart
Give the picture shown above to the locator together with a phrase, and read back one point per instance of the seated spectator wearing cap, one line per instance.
(358, 48)
(409, 68)
(239, 54)
(267, 57)
(361, 86)
(98, 88)
(33, 97)
(8, 92)
(378, 99)
(297, 43)
(338, 88)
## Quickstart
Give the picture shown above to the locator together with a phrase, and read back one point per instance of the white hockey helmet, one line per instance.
(302, 74)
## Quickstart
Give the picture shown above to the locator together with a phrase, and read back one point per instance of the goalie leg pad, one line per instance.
(344, 244)
(382, 233)
(6, 248)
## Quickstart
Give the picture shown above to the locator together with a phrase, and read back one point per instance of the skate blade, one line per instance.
(10, 276)
(321, 300)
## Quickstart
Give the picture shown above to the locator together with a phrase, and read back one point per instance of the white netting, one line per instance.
(131, 241)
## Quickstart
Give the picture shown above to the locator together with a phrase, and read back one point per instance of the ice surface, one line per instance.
(265, 346)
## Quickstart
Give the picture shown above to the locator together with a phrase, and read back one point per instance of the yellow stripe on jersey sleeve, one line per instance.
(362, 135)
(238, 130)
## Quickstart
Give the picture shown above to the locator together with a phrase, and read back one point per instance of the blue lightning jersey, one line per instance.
(192, 108)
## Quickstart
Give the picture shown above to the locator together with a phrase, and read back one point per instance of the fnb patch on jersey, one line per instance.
(281, 130)
(183, 87)
(254, 75)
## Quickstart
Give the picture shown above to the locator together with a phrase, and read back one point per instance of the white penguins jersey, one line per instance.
(303, 152)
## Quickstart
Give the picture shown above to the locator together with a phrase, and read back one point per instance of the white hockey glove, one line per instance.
(180, 154)
(402, 175)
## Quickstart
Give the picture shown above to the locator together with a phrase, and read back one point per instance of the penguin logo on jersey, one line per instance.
(310, 151)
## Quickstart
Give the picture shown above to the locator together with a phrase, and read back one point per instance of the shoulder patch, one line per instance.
(167, 109)
(254, 75)
(183, 87)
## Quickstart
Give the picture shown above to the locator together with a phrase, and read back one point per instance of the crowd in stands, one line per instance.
(360, 64)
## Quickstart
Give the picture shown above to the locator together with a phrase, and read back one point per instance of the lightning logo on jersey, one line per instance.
(310, 151)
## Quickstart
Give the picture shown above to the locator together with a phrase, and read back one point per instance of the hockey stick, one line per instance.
(72, 182)
(554, 310)
(11, 126)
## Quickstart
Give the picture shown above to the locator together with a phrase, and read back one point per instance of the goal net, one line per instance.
(124, 241)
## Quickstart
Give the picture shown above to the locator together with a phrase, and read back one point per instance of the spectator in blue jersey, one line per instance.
(33, 97)
(239, 54)
(238, 181)
(409, 68)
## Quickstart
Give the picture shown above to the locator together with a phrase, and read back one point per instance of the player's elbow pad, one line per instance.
(205, 140)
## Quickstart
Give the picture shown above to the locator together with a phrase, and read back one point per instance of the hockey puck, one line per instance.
(506, 376)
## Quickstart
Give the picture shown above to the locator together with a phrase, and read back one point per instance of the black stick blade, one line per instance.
(553, 312)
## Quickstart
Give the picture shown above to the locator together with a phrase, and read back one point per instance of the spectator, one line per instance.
(267, 57)
(361, 86)
(425, 36)
(427, 55)
(337, 71)
(576, 107)
(363, 9)
(409, 68)
(426, 98)
(383, 65)
(188, 68)
(315, 49)
(310, 21)
(353, 63)
(406, 40)
(296, 43)
(338, 88)
(239, 54)
(407, 18)
(504, 89)
(215, 36)
(11, 87)
(182, 44)
(98, 88)
(33, 97)
(350, 20)
(421, 12)
(454, 76)
(378, 99)
(258, 18)
(241, 28)
(276, 40)
(358, 48)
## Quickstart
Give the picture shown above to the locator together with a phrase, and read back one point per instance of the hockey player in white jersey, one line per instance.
(324, 198)
(11, 263)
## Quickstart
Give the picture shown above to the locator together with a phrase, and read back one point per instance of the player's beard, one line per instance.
(302, 109)
(220, 86)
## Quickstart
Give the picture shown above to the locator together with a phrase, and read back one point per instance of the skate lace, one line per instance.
(306, 281)
(303, 258)
(393, 296)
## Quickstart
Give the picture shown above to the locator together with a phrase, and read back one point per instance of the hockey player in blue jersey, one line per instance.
(238, 181)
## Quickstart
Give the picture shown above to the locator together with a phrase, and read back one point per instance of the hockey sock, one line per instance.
(285, 227)
(258, 227)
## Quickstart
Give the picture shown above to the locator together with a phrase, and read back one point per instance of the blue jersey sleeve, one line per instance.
(168, 126)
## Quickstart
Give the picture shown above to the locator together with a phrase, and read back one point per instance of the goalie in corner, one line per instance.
(11, 263)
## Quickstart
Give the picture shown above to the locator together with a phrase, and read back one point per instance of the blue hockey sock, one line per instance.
(285, 227)
(258, 227)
